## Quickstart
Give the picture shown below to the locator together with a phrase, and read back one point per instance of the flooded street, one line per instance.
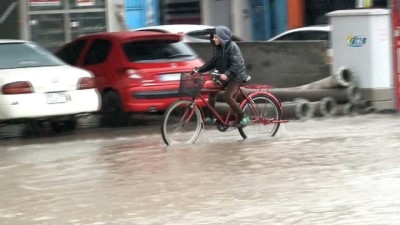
(335, 171)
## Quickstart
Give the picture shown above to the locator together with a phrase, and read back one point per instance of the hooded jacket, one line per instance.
(227, 57)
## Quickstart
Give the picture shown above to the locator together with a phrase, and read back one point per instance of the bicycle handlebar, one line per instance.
(213, 73)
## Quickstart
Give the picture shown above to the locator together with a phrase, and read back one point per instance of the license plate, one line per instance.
(170, 77)
(56, 97)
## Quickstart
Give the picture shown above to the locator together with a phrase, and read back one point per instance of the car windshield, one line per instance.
(22, 55)
(156, 50)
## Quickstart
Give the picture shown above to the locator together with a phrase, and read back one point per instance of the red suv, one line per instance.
(135, 71)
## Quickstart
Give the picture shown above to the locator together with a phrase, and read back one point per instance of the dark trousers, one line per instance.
(231, 88)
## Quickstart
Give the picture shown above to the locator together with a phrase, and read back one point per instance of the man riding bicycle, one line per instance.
(228, 60)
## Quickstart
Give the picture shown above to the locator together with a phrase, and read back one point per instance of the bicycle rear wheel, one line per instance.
(181, 123)
(265, 113)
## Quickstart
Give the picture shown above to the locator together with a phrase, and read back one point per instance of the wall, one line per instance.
(116, 15)
(235, 14)
(140, 13)
(216, 12)
(180, 11)
(281, 64)
(295, 14)
(241, 19)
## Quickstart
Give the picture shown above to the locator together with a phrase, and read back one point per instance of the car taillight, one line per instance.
(133, 74)
(19, 87)
(86, 83)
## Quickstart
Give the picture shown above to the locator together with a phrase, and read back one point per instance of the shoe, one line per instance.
(209, 121)
(244, 122)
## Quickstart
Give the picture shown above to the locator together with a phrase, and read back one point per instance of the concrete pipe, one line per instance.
(346, 77)
(354, 110)
(354, 94)
(343, 78)
(366, 106)
(300, 109)
(340, 95)
(223, 108)
(364, 103)
(367, 110)
(326, 107)
(347, 109)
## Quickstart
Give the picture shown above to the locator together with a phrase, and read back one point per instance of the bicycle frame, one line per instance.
(185, 118)
(225, 121)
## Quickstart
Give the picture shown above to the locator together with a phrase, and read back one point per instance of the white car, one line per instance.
(36, 85)
(309, 33)
(190, 32)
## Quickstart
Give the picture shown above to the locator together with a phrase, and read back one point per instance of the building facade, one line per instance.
(54, 22)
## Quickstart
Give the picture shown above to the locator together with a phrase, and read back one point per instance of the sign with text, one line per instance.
(81, 3)
(45, 2)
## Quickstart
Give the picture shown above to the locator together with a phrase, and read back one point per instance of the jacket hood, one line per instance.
(224, 34)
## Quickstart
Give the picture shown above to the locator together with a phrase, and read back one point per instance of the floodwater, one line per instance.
(339, 171)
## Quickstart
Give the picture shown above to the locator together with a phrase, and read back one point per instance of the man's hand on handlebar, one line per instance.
(223, 76)
(220, 76)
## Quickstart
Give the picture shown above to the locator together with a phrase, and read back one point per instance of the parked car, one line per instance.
(309, 33)
(136, 72)
(37, 86)
(190, 32)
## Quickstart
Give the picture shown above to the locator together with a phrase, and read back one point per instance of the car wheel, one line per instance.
(62, 126)
(113, 114)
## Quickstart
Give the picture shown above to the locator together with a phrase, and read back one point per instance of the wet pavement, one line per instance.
(335, 171)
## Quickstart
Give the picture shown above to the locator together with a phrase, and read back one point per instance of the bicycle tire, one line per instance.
(181, 124)
(265, 113)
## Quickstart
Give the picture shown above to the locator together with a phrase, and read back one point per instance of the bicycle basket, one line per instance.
(190, 85)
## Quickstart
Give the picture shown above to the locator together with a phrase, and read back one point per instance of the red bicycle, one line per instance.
(184, 119)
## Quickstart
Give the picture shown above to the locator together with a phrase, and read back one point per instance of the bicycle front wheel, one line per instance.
(265, 114)
(181, 123)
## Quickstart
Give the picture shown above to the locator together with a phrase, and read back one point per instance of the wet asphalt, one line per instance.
(339, 171)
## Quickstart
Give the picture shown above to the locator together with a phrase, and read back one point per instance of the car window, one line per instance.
(316, 35)
(305, 36)
(70, 53)
(156, 50)
(98, 52)
(22, 55)
(291, 36)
